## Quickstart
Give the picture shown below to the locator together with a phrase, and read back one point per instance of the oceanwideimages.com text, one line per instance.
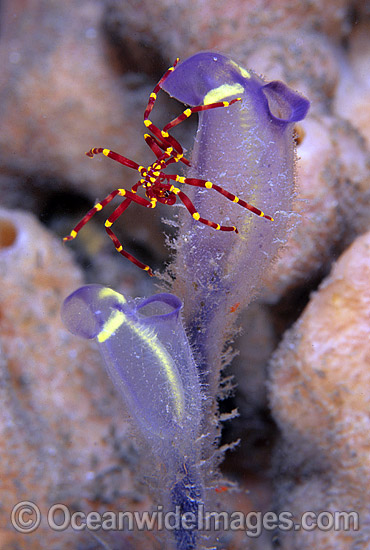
(26, 517)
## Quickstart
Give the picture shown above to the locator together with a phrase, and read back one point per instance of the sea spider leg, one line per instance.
(108, 224)
(100, 205)
(199, 108)
(209, 185)
(191, 208)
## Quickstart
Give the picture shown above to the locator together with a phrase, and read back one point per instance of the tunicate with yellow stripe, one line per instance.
(146, 354)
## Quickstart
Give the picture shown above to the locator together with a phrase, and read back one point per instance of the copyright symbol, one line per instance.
(25, 517)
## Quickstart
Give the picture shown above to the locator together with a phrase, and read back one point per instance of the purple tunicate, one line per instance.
(147, 356)
(249, 150)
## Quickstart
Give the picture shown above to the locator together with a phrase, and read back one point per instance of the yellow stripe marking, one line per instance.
(180, 179)
(153, 95)
(196, 216)
(208, 184)
(175, 190)
(164, 134)
(225, 90)
(147, 123)
(187, 112)
(73, 234)
(110, 293)
(106, 152)
(108, 223)
(236, 199)
(98, 207)
(116, 319)
(242, 71)
(122, 192)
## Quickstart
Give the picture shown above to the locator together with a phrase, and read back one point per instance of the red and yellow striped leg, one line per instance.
(191, 208)
(99, 206)
(157, 146)
(110, 221)
(164, 137)
(233, 198)
(115, 156)
(153, 95)
(188, 112)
